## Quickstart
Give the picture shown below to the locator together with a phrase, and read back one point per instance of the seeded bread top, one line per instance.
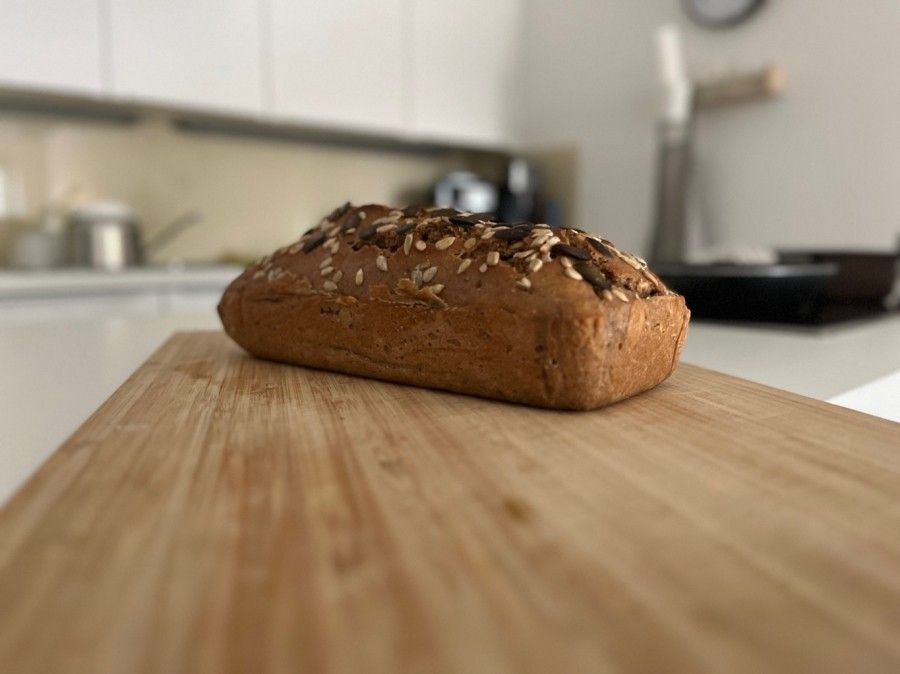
(447, 258)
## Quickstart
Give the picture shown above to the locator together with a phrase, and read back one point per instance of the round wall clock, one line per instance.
(720, 13)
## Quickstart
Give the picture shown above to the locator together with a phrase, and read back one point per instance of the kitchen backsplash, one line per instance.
(254, 194)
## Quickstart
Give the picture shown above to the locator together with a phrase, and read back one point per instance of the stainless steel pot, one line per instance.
(104, 236)
(107, 236)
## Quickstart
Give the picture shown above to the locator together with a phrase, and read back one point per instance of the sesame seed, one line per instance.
(470, 243)
(325, 271)
(566, 262)
(572, 274)
(359, 276)
(429, 274)
(407, 243)
(535, 265)
(482, 268)
(386, 228)
(324, 263)
(436, 288)
(465, 264)
(338, 275)
(489, 233)
(259, 274)
(618, 293)
(493, 258)
(381, 262)
(607, 295)
(421, 245)
(330, 286)
(523, 283)
(445, 243)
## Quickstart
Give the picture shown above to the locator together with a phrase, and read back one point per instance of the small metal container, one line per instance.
(104, 236)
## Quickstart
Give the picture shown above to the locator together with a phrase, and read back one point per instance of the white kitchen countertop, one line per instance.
(68, 282)
(54, 374)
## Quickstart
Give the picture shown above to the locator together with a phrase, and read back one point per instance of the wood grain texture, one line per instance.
(223, 514)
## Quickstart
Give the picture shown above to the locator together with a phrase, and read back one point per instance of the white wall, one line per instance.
(819, 167)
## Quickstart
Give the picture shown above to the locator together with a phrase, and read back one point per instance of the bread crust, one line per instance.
(382, 307)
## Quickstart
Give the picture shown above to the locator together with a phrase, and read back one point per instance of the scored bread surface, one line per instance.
(432, 297)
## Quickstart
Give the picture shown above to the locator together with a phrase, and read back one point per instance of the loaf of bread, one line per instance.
(434, 297)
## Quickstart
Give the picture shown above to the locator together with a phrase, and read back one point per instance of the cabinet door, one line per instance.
(340, 63)
(51, 44)
(465, 69)
(203, 54)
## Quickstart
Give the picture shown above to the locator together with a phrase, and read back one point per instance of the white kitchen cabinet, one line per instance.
(340, 63)
(464, 62)
(51, 44)
(201, 54)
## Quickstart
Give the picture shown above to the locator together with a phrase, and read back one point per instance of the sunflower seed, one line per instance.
(470, 243)
(535, 265)
(324, 263)
(523, 283)
(338, 275)
(488, 234)
(359, 276)
(293, 250)
(386, 228)
(445, 243)
(259, 274)
(429, 274)
(492, 258)
(618, 293)
(381, 262)
(572, 274)
(465, 264)
(330, 286)
(325, 271)
(566, 262)
(607, 295)
(421, 245)
(407, 243)
(513, 233)
(482, 268)
(436, 288)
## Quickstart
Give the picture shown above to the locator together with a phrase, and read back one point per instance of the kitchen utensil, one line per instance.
(465, 191)
(286, 517)
(104, 235)
(108, 236)
(787, 293)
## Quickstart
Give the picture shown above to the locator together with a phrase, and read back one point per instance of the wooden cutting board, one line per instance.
(223, 514)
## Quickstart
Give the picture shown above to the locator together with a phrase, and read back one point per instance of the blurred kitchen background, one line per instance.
(178, 139)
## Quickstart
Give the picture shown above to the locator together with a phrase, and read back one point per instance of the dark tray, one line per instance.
(805, 287)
